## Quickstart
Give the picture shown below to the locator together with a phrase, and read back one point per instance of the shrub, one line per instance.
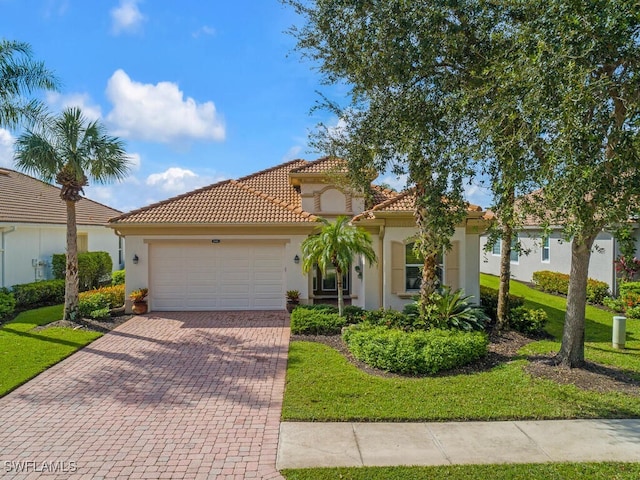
(118, 277)
(353, 314)
(558, 283)
(114, 295)
(615, 304)
(633, 312)
(393, 319)
(93, 305)
(93, 268)
(489, 302)
(629, 287)
(453, 310)
(320, 307)
(528, 321)
(7, 303)
(38, 294)
(315, 322)
(415, 352)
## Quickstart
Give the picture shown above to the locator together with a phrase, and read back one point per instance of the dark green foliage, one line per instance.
(528, 321)
(558, 283)
(118, 277)
(95, 305)
(38, 294)
(489, 301)
(93, 268)
(629, 287)
(449, 309)
(321, 307)
(316, 322)
(393, 319)
(7, 303)
(417, 352)
(353, 314)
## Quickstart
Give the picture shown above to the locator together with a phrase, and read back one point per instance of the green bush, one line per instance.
(454, 310)
(319, 307)
(528, 321)
(315, 322)
(628, 287)
(7, 303)
(353, 314)
(390, 318)
(93, 306)
(633, 312)
(558, 283)
(38, 294)
(489, 302)
(417, 352)
(615, 304)
(93, 268)
(114, 294)
(118, 277)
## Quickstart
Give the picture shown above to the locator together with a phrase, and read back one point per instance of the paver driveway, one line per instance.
(170, 395)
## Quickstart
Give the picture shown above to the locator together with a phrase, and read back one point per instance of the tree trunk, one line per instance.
(71, 275)
(340, 296)
(429, 282)
(505, 278)
(572, 350)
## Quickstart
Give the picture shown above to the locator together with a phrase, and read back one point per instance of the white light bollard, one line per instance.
(619, 331)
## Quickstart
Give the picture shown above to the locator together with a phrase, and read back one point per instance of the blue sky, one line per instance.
(199, 91)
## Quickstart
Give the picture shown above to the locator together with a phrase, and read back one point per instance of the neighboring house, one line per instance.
(33, 226)
(236, 244)
(553, 253)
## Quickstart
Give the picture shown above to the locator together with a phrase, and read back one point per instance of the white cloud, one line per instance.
(82, 100)
(397, 182)
(175, 181)
(6, 148)
(159, 112)
(134, 161)
(477, 194)
(205, 30)
(292, 153)
(126, 17)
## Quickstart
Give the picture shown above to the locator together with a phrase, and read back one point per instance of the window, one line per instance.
(83, 242)
(546, 250)
(120, 252)
(327, 284)
(515, 255)
(413, 268)
(495, 250)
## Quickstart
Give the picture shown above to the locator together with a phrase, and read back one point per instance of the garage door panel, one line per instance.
(196, 276)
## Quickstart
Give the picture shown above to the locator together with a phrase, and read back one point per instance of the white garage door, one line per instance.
(216, 276)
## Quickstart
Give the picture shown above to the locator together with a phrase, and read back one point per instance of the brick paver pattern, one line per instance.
(193, 395)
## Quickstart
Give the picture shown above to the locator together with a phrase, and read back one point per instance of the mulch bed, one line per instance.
(103, 326)
(504, 348)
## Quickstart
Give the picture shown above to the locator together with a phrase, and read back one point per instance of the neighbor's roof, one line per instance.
(24, 199)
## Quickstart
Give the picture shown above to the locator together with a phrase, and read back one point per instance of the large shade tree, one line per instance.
(71, 150)
(21, 76)
(337, 245)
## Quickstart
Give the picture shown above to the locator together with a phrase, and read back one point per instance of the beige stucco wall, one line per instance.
(29, 242)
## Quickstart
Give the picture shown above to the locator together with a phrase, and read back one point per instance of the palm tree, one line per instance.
(335, 245)
(67, 148)
(19, 76)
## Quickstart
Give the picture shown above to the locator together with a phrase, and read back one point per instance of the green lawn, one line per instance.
(545, 471)
(24, 353)
(323, 386)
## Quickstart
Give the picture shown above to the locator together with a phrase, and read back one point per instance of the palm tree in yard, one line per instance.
(20, 76)
(335, 246)
(71, 150)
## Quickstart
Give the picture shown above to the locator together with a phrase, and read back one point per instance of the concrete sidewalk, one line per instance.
(384, 444)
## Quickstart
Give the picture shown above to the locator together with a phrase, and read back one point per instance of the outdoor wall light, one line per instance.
(135, 259)
(296, 259)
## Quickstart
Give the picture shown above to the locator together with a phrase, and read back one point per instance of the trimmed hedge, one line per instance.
(558, 283)
(306, 321)
(7, 303)
(417, 352)
(93, 268)
(118, 277)
(528, 321)
(114, 294)
(489, 302)
(39, 294)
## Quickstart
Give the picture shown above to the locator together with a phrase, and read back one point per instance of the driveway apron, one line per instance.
(168, 395)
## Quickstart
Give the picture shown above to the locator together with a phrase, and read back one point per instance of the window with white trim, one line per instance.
(515, 255)
(413, 264)
(546, 249)
(495, 249)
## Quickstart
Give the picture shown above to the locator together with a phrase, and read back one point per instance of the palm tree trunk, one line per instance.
(505, 278)
(340, 295)
(429, 283)
(572, 350)
(71, 276)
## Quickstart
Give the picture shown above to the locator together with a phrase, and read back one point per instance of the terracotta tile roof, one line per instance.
(263, 197)
(322, 165)
(402, 202)
(24, 199)
(380, 194)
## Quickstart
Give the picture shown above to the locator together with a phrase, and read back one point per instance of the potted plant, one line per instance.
(139, 299)
(293, 299)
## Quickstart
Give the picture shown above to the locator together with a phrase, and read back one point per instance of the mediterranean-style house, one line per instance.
(236, 244)
(33, 226)
(552, 252)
